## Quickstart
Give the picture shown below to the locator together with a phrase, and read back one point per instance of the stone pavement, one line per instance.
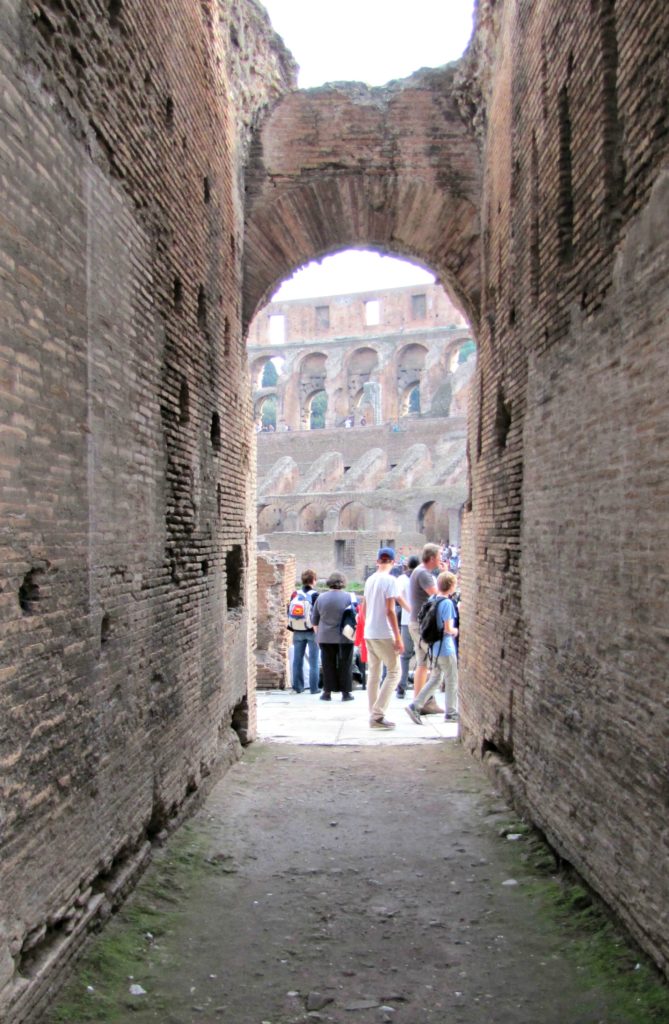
(288, 717)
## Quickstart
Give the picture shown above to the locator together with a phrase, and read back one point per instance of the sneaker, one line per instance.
(347, 696)
(414, 714)
(381, 723)
(431, 708)
(400, 692)
(325, 696)
(451, 716)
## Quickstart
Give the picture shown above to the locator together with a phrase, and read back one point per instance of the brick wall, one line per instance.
(564, 669)
(318, 183)
(437, 359)
(127, 582)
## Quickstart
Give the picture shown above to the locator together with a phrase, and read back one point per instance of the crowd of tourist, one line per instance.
(407, 616)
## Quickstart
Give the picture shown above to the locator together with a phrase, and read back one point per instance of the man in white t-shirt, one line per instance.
(382, 637)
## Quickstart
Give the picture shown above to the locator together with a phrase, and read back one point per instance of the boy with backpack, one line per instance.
(438, 630)
(300, 616)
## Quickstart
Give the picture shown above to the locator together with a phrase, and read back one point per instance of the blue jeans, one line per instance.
(405, 658)
(301, 641)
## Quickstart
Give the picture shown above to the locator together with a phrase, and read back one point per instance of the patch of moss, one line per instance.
(124, 953)
(601, 950)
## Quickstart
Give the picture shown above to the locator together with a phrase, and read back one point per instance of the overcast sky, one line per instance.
(372, 41)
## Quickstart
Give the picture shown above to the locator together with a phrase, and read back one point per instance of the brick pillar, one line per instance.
(276, 581)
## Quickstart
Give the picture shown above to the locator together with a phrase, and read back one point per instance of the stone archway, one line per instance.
(318, 182)
(433, 522)
(311, 384)
(353, 516)
(270, 518)
(265, 410)
(311, 518)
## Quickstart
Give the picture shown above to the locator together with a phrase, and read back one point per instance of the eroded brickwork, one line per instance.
(564, 673)
(396, 168)
(128, 579)
(276, 581)
(533, 178)
(365, 369)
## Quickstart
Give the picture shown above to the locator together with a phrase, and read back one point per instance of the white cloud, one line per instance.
(372, 41)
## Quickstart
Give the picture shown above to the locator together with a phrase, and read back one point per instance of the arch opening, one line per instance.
(311, 519)
(266, 413)
(353, 516)
(315, 410)
(270, 519)
(433, 522)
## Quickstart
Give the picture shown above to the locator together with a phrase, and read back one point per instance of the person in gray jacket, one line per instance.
(336, 650)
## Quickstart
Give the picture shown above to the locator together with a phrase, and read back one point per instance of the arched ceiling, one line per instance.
(394, 168)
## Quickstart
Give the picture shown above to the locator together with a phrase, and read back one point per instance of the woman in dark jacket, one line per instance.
(336, 650)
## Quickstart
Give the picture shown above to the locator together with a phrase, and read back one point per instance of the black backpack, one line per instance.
(430, 632)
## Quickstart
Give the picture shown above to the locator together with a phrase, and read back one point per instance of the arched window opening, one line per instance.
(316, 410)
(410, 368)
(466, 351)
(362, 368)
(270, 519)
(266, 372)
(266, 414)
(353, 516)
(270, 375)
(312, 519)
(433, 522)
(410, 400)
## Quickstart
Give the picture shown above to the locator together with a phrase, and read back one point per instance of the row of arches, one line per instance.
(315, 517)
(362, 410)
(364, 388)
(359, 365)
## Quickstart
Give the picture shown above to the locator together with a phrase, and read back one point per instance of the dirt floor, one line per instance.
(356, 885)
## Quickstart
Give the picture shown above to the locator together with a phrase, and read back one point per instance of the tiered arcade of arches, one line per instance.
(382, 373)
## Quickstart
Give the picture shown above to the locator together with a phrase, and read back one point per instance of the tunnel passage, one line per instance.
(551, 238)
(393, 168)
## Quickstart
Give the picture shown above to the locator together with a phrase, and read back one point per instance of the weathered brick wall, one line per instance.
(396, 168)
(564, 621)
(127, 578)
(276, 581)
(306, 446)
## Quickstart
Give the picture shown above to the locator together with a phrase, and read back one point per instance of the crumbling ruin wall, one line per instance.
(127, 579)
(564, 619)
(276, 582)
(533, 179)
(402, 486)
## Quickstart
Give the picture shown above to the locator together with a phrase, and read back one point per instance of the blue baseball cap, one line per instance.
(388, 553)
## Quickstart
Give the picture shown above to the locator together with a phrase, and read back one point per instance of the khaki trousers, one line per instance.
(381, 652)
